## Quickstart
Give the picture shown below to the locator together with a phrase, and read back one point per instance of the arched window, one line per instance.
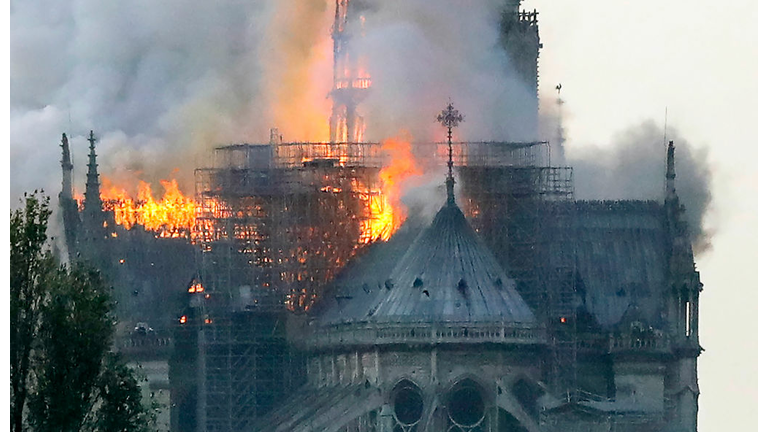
(408, 405)
(466, 406)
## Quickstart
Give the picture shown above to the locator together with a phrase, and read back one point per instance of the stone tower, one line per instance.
(67, 203)
(682, 311)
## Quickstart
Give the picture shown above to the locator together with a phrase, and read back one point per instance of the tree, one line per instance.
(73, 338)
(122, 409)
(30, 263)
(63, 376)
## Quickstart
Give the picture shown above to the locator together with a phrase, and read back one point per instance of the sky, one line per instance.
(621, 63)
(158, 78)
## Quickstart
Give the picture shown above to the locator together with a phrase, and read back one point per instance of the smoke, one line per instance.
(552, 114)
(634, 167)
(421, 52)
(425, 198)
(159, 82)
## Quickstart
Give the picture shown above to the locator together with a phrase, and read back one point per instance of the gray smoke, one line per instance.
(159, 82)
(634, 167)
(420, 52)
(163, 82)
(552, 115)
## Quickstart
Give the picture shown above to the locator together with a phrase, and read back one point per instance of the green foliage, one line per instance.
(30, 263)
(63, 377)
(121, 409)
(74, 335)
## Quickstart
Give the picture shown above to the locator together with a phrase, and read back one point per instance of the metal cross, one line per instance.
(450, 118)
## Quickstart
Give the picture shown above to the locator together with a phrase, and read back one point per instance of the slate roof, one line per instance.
(621, 257)
(446, 275)
(621, 261)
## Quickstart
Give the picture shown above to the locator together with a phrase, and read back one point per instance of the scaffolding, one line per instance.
(245, 354)
(276, 222)
(286, 217)
(523, 214)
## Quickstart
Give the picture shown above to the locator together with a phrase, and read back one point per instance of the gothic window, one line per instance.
(466, 407)
(687, 318)
(408, 405)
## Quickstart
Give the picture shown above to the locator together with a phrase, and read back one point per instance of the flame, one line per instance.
(387, 213)
(381, 223)
(197, 287)
(173, 216)
(402, 166)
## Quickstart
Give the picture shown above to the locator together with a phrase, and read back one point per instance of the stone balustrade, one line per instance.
(647, 344)
(397, 333)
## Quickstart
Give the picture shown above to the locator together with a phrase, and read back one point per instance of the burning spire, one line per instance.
(450, 118)
(351, 80)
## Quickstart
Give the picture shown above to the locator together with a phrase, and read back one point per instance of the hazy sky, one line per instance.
(621, 63)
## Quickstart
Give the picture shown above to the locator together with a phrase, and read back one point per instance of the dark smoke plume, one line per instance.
(633, 167)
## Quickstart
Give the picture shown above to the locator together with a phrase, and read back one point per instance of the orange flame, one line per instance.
(387, 213)
(173, 216)
(402, 166)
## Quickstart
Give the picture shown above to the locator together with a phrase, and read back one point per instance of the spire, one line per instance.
(450, 118)
(66, 168)
(92, 194)
(671, 194)
(682, 254)
(560, 144)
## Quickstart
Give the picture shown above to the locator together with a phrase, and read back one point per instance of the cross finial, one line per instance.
(450, 118)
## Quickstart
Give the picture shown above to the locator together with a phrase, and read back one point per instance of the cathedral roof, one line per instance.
(446, 275)
(620, 257)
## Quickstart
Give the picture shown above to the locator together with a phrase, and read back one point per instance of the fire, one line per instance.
(381, 222)
(387, 213)
(402, 166)
(173, 216)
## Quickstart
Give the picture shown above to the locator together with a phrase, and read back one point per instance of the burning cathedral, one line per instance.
(292, 293)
